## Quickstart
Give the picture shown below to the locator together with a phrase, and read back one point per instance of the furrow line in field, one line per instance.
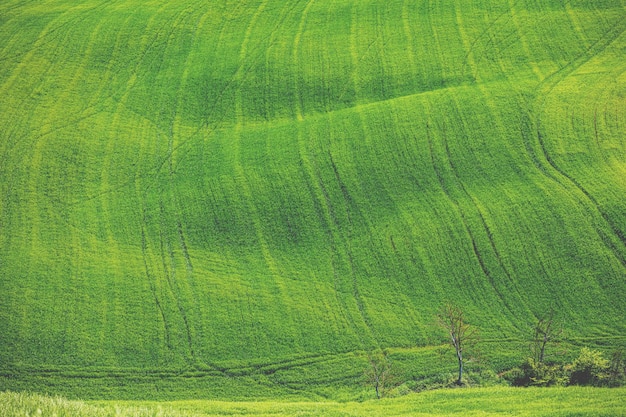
(152, 282)
(481, 216)
(406, 27)
(355, 56)
(379, 52)
(467, 45)
(316, 186)
(242, 176)
(369, 135)
(44, 38)
(184, 246)
(573, 17)
(332, 225)
(89, 111)
(170, 273)
(324, 209)
(560, 174)
(442, 45)
(199, 25)
(358, 298)
(468, 196)
(26, 103)
(317, 189)
(354, 53)
(285, 12)
(245, 66)
(471, 48)
(105, 188)
(332, 221)
(524, 42)
(452, 170)
(445, 187)
(296, 60)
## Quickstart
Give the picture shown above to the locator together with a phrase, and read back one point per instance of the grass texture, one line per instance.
(238, 198)
(569, 402)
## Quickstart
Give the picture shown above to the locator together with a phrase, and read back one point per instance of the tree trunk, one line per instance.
(460, 358)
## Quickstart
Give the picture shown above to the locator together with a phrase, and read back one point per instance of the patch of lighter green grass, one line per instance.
(498, 401)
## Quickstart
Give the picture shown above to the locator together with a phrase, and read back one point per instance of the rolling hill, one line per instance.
(239, 198)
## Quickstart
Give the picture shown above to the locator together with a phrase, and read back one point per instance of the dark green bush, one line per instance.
(539, 374)
(590, 368)
(617, 369)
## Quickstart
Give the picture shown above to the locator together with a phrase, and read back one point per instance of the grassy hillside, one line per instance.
(240, 196)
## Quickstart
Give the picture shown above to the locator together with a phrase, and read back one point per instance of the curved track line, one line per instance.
(257, 221)
(406, 27)
(523, 41)
(559, 175)
(320, 194)
(406, 218)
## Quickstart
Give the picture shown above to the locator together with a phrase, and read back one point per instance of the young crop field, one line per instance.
(239, 199)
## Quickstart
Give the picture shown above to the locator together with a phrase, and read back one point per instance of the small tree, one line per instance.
(546, 331)
(461, 334)
(536, 370)
(379, 373)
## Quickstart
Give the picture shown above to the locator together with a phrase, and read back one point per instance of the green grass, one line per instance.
(248, 195)
(568, 402)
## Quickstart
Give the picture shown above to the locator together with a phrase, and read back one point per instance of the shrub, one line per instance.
(516, 377)
(538, 374)
(617, 369)
(590, 368)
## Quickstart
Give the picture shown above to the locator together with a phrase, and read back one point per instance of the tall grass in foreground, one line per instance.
(467, 402)
(24, 404)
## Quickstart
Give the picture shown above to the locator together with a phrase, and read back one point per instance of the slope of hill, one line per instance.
(246, 194)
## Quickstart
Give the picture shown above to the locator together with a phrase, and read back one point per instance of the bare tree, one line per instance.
(546, 331)
(461, 333)
(379, 372)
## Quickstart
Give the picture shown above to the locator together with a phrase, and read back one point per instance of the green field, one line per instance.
(238, 199)
(569, 402)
